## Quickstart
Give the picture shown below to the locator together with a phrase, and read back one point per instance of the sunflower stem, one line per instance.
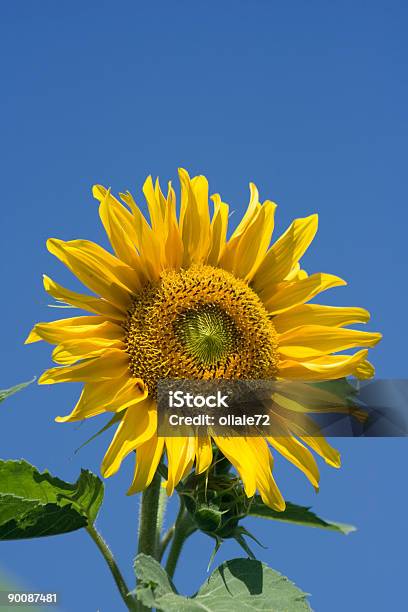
(160, 519)
(183, 528)
(165, 541)
(150, 522)
(150, 518)
(129, 601)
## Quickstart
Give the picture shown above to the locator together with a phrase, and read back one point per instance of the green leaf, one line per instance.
(239, 584)
(300, 515)
(35, 504)
(7, 392)
(153, 581)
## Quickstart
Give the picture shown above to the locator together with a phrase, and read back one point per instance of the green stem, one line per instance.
(160, 519)
(115, 571)
(150, 522)
(165, 541)
(183, 528)
(149, 518)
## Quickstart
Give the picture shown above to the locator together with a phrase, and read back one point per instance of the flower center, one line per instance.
(200, 323)
(208, 333)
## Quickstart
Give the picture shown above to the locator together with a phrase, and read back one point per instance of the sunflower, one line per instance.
(178, 299)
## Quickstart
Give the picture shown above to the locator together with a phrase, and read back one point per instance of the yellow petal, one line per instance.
(155, 207)
(324, 449)
(148, 457)
(229, 252)
(199, 186)
(317, 314)
(365, 370)
(305, 398)
(75, 328)
(59, 325)
(112, 364)
(329, 367)
(160, 199)
(250, 212)
(219, 226)
(204, 454)
(308, 431)
(295, 452)
(180, 454)
(194, 218)
(174, 248)
(137, 426)
(253, 461)
(111, 396)
(97, 269)
(187, 469)
(262, 464)
(33, 336)
(254, 242)
(70, 351)
(85, 302)
(288, 295)
(234, 450)
(149, 244)
(296, 273)
(119, 226)
(310, 341)
(122, 214)
(139, 220)
(285, 253)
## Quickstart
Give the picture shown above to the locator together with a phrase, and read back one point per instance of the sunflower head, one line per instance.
(180, 296)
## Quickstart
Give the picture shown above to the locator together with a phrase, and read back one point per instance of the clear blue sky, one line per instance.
(307, 99)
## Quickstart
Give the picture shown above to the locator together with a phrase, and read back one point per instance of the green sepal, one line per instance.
(237, 534)
(217, 546)
(115, 419)
(243, 544)
(4, 393)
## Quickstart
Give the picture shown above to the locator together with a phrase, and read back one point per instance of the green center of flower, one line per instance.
(208, 333)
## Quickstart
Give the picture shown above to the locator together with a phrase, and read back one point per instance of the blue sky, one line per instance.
(306, 99)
